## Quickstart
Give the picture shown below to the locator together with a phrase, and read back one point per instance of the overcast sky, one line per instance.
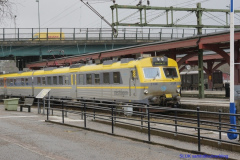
(73, 14)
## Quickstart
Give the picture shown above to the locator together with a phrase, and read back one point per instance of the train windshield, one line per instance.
(170, 72)
(151, 73)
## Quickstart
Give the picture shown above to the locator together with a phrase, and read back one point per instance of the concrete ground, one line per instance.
(26, 135)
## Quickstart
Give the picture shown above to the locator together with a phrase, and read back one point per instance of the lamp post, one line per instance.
(15, 16)
(40, 51)
(38, 19)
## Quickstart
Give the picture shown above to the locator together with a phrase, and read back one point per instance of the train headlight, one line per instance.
(145, 91)
(178, 90)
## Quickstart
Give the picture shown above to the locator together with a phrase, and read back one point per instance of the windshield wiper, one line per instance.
(156, 75)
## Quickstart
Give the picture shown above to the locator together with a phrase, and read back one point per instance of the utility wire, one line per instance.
(213, 19)
(59, 14)
(187, 15)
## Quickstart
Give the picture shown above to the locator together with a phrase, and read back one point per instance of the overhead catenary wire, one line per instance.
(213, 19)
(96, 12)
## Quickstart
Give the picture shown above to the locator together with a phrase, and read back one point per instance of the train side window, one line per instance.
(60, 78)
(97, 79)
(81, 79)
(66, 80)
(14, 82)
(26, 82)
(54, 80)
(39, 81)
(43, 80)
(106, 78)
(89, 78)
(116, 77)
(49, 80)
(11, 82)
(22, 82)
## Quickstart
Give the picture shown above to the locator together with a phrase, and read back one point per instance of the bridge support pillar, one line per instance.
(200, 74)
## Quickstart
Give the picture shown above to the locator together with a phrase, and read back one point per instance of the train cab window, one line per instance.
(49, 80)
(39, 81)
(106, 78)
(60, 78)
(54, 80)
(170, 72)
(116, 77)
(81, 79)
(1, 82)
(89, 78)
(43, 80)
(97, 79)
(151, 73)
(22, 82)
(26, 82)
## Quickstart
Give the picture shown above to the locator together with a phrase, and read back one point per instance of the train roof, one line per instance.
(114, 65)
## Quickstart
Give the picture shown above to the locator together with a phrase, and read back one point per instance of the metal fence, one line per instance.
(141, 116)
(71, 34)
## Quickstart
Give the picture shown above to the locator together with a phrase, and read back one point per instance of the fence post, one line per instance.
(141, 118)
(43, 106)
(87, 34)
(160, 35)
(74, 32)
(94, 110)
(32, 34)
(47, 111)
(18, 34)
(175, 107)
(3, 34)
(48, 103)
(136, 33)
(85, 123)
(149, 133)
(198, 126)
(39, 110)
(220, 126)
(62, 113)
(112, 122)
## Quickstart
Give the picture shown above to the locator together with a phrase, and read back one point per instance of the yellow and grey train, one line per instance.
(152, 80)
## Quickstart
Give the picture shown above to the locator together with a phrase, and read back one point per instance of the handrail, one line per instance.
(72, 34)
(142, 113)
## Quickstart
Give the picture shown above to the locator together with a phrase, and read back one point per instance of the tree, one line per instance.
(5, 10)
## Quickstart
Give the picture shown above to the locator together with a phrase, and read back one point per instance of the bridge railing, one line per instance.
(33, 34)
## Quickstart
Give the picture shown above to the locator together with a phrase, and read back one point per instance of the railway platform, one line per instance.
(27, 134)
(214, 101)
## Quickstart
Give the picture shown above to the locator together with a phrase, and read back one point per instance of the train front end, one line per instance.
(161, 79)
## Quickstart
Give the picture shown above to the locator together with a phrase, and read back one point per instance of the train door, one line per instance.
(74, 85)
(132, 82)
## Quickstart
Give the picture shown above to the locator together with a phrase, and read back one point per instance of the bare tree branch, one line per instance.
(5, 10)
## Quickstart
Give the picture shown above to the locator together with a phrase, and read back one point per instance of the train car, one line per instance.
(190, 80)
(153, 80)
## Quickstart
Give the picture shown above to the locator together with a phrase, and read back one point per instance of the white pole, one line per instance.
(232, 108)
(232, 53)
